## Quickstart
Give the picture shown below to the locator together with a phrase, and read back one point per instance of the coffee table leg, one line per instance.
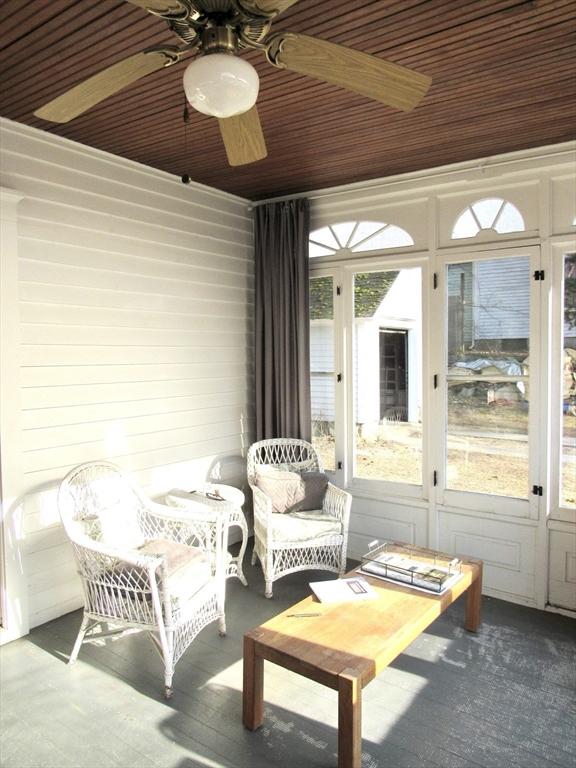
(349, 720)
(473, 601)
(253, 691)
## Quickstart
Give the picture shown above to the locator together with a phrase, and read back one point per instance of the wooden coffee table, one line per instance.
(348, 645)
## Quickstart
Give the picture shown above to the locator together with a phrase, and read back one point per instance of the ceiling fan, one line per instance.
(220, 83)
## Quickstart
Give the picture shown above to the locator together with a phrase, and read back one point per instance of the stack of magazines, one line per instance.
(399, 565)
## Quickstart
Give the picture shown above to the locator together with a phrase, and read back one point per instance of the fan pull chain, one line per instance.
(186, 120)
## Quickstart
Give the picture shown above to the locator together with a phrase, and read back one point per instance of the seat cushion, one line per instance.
(188, 568)
(302, 526)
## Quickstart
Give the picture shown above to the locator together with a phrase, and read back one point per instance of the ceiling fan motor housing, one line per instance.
(221, 39)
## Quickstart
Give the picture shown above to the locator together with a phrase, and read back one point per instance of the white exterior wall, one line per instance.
(400, 308)
(517, 548)
(367, 373)
(129, 338)
(322, 369)
(502, 299)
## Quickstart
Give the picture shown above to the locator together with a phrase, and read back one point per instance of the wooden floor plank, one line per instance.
(503, 697)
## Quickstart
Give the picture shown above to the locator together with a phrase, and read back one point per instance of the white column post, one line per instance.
(14, 593)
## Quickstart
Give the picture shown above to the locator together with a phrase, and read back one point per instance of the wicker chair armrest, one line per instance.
(337, 503)
(262, 504)
(131, 557)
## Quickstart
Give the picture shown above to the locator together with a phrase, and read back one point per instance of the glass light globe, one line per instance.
(221, 85)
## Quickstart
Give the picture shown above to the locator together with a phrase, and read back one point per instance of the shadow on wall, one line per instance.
(228, 470)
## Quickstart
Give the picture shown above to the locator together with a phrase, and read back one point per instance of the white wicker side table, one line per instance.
(230, 503)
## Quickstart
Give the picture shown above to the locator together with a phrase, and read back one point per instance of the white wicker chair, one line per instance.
(278, 540)
(142, 565)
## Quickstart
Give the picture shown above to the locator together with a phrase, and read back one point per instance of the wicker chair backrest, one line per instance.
(91, 489)
(290, 453)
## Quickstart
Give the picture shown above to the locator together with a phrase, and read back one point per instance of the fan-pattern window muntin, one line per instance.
(357, 236)
(491, 213)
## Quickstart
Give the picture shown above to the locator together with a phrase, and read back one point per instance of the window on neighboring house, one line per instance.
(357, 237)
(492, 213)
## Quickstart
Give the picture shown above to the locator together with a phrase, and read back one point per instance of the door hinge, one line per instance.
(435, 280)
(339, 377)
(539, 274)
(435, 478)
(339, 465)
(338, 290)
(537, 490)
(435, 381)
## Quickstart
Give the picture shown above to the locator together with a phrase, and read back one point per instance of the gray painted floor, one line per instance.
(502, 699)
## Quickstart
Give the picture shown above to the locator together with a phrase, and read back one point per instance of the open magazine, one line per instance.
(342, 590)
(429, 577)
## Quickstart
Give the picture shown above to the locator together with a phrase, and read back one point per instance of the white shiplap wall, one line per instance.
(135, 300)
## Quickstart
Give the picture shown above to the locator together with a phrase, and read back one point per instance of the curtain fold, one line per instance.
(282, 357)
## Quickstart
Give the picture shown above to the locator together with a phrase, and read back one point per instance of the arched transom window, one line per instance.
(357, 236)
(492, 213)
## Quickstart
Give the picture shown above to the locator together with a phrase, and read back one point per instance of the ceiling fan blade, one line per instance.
(363, 73)
(243, 138)
(166, 8)
(95, 89)
(268, 8)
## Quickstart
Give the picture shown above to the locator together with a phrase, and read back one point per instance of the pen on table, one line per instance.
(301, 615)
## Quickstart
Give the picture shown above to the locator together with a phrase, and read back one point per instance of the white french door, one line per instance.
(489, 363)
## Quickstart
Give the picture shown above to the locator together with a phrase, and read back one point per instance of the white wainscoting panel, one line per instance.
(562, 559)
(374, 519)
(507, 549)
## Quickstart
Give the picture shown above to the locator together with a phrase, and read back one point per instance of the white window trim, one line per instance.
(344, 361)
(433, 400)
(488, 231)
(339, 440)
(508, 507)
(557, 252)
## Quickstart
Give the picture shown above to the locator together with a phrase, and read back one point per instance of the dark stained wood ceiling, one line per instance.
(504, 78)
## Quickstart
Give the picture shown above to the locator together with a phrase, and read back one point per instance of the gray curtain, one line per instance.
(282, 323)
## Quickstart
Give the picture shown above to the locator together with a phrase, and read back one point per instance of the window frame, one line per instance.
(558, 250)
(485, 503)
(435, 495)
(343, 273)
(339, 423)
(492, 233)
(345, 253)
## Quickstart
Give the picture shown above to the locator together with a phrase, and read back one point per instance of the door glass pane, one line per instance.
(387, 350)
(322, 378)
(487, 376)
(568, 475)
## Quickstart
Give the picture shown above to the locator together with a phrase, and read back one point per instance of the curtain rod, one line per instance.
(473, 165)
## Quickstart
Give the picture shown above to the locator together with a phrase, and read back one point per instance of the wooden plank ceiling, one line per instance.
(503, 79)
